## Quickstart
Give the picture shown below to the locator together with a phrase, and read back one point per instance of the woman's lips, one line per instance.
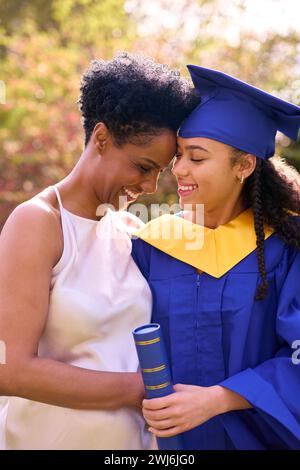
(131, 195)
(185, 190)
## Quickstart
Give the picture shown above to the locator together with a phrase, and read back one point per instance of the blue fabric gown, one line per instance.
(216, 333)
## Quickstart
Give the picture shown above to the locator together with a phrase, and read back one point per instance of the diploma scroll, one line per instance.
(156, 371)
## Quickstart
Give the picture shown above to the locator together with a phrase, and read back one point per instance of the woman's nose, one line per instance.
(149, 185)
(179, 168)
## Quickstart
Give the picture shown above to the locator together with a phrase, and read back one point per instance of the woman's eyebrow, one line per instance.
(193, 147)
(151, 162)
(196, 147)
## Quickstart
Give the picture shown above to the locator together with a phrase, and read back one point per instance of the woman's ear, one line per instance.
(100, 136)
(247, 165)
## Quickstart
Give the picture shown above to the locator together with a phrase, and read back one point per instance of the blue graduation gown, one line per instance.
(216, 333)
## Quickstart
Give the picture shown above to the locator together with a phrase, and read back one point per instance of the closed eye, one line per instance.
(143, 169)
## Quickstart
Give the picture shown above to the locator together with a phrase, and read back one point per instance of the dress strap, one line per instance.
(58, 197)
(63, 214)
(70, 249)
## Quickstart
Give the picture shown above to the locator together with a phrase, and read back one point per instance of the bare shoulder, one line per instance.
(30, 245)
(35, 224)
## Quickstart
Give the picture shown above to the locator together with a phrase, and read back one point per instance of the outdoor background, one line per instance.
(45, 45)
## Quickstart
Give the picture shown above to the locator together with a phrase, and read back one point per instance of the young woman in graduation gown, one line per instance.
(226, 292)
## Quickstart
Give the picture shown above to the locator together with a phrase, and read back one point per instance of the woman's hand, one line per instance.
(189, 407)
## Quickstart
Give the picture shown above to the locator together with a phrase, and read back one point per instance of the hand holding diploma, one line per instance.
(155, 371)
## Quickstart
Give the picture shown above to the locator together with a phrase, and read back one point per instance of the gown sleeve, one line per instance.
(273, 387)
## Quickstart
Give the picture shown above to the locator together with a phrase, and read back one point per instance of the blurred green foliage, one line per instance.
(46, 45)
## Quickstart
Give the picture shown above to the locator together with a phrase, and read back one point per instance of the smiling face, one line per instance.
(205, 174)
(128, 171)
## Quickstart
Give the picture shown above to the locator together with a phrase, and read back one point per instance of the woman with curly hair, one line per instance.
(226, 290)
(70, 293)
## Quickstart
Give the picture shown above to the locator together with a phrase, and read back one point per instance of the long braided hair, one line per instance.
(273, 191)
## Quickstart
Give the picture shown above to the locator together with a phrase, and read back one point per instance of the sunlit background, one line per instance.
(46, 44)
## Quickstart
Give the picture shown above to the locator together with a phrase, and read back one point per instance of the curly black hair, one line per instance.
(134, 97)
(273, 190)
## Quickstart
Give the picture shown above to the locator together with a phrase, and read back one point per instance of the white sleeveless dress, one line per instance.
(98, 296)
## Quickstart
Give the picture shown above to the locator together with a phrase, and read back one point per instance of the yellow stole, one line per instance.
(213, 251)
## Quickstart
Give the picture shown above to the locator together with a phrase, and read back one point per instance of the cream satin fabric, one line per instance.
(98, 296)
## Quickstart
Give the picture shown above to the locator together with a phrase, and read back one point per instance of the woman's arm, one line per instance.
(30, 245)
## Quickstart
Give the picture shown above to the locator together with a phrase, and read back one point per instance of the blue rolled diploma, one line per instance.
(155, 371)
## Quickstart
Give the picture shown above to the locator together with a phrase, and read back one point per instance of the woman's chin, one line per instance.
(187, 200)
(119, 203)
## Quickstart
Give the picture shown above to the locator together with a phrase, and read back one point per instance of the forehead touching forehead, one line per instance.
(207, 146)
(158, 149)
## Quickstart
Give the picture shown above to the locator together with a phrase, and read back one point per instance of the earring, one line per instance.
(242, 179)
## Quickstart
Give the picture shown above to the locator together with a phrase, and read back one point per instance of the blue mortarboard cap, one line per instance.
(238, 114)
